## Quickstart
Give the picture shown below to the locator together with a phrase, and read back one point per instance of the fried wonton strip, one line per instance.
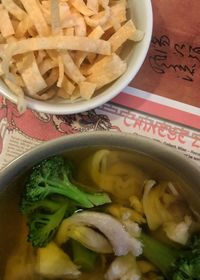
(96, 34)
(41, 56)
(137, 36)
(18, 78)
(87, 89)
(80, 6)
(36, 16)
(67, 86)
(61, 71)
(115, 23)
(53, 54)
(32, 32)
(45, 8)
(13, 9)
(30, 73)
(91, 57)
(60, 43)
(52, 78)
(76, 95)
(118, 11)
(121, 35)
(23, 27)
(93, 22)
(71, 70)
(61, 93)
(55, 17)
(84, 68)
(80, 26)
(50, 81)
(69, 22)
(93, 5)
(46, 65)
(67, 19)
(6, 27)
(106, 70)
(49, 94)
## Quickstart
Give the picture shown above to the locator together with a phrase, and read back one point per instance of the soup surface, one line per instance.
(98, 227)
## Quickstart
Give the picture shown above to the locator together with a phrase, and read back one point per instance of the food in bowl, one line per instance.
(99, 213)
(63, 50)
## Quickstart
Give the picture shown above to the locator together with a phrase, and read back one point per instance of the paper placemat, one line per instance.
(162, 103)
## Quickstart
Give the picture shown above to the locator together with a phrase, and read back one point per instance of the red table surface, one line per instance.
(172, 66)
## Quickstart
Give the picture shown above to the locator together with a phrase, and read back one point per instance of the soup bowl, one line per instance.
(185, 168)
(166, 159)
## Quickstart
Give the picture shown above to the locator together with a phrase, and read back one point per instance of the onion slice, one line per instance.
(119, 238)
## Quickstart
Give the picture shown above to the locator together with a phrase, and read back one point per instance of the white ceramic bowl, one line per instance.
(141, 13)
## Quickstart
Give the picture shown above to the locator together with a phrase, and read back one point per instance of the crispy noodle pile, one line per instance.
(65, 49)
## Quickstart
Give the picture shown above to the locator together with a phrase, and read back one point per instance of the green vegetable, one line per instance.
(54, 176)
(50, 195)
(83, 257)
(175, 264)
(44, 222)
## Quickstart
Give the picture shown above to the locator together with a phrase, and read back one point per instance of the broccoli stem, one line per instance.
(158, 253)
(83, 256)
(84, 199)
(182, 264)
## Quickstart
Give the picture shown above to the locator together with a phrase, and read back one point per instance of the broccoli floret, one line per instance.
(28, 207)
(54, 176)
(44, 217)
(42, 226)
(175, 264)
(50, 196)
